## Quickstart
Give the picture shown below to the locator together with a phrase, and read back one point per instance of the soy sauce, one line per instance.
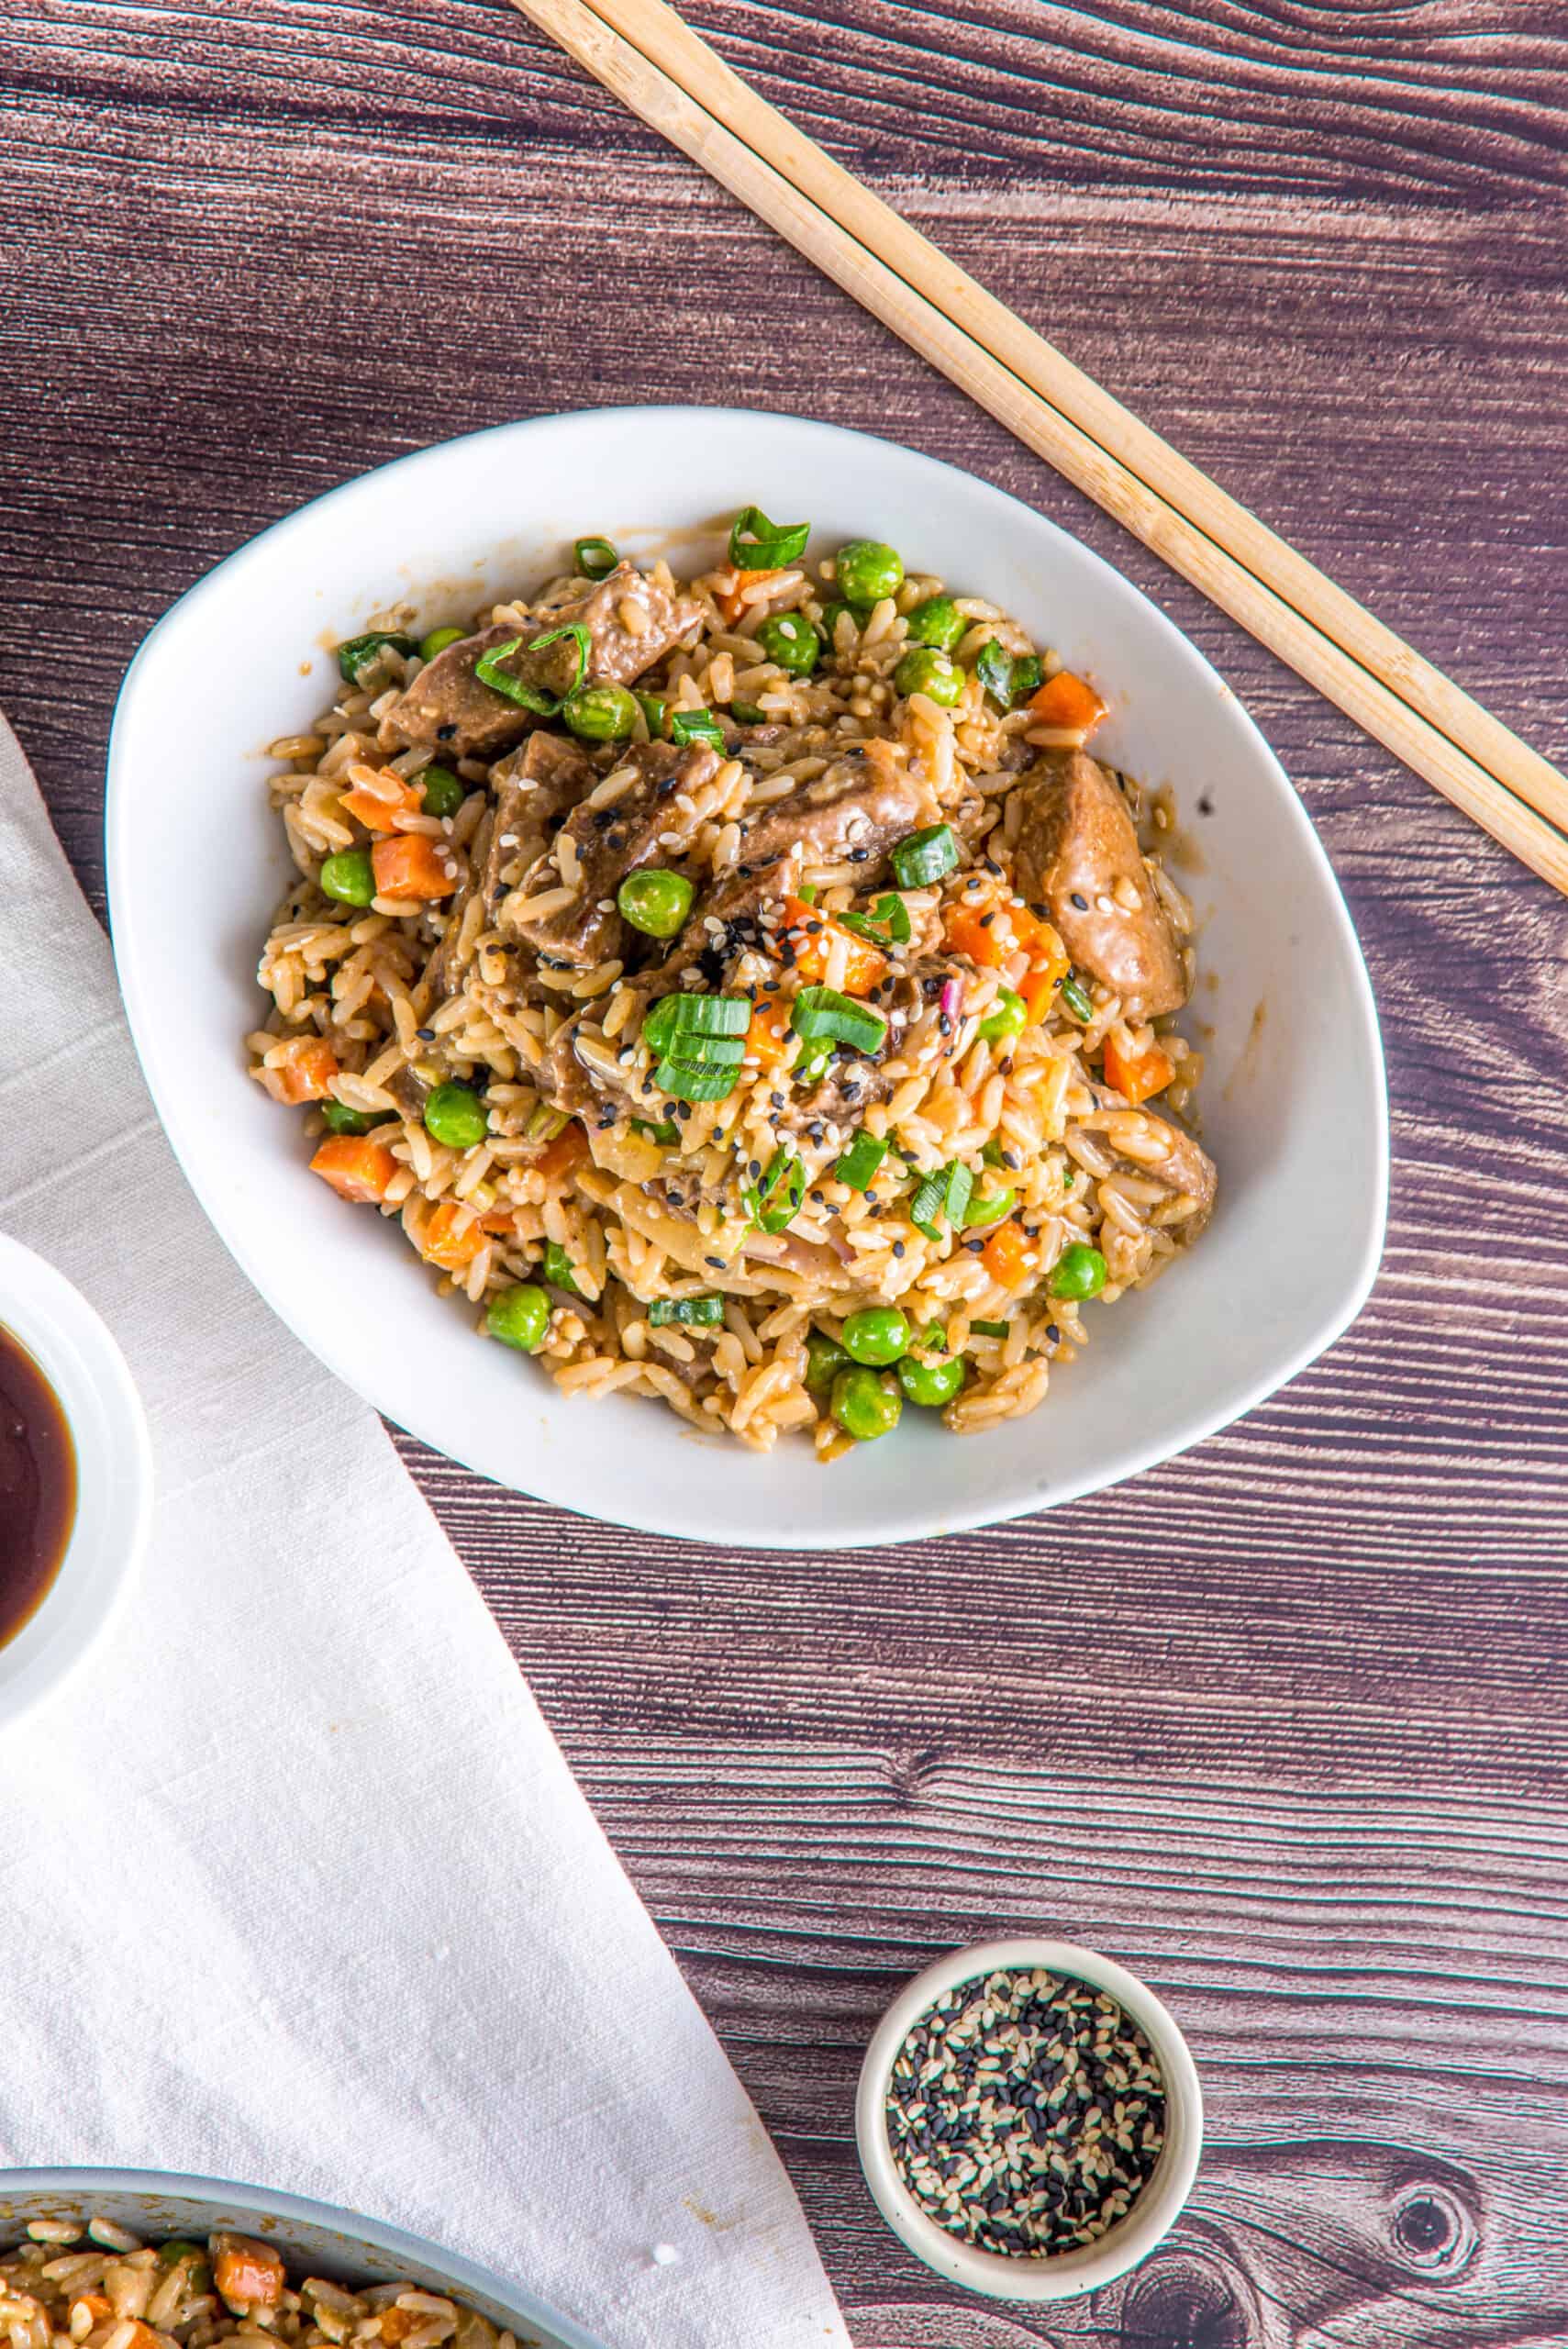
(37, 1486)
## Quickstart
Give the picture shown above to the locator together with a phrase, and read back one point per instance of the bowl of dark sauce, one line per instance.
(75, 1477)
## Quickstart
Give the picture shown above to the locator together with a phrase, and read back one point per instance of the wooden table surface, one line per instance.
(1285, 1724)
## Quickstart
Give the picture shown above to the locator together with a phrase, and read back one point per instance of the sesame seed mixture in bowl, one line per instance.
(1025, 2112)
(100, 2286)
(746, 990)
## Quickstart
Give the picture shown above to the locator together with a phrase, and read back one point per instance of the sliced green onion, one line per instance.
(887, 923)
(594, 558)
(1009, 1015)
(1007, 680)
(546, 1123)
(691, 1312)
(746, 713)
(696, 725)
(822, 1011)
(1076, 998)
(945, 1192)
(810, 1063)
(757, 544)
(990, 1208)
(676, 1016)
(994, 1154)
(663, 1131)
(807, 894)
(936, 1338)
(775, 1201)
(993, 667)
(858, 1164)
(655, 710)
(925, 856)
(683, 1082)
(489, 672)
(357, 653)
(990, 1328)
(559, 1269)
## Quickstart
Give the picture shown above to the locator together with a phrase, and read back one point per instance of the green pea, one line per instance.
(349, 877)
(824, 1358)
(931, 1383)
(990, 1208)
(866, 1404)
(655, 901)
(1079, 1271)
(340, 1119)
(927, 672)
(792, 642)
(520, 1316)
(880, 1335)
(455, 1115)
(601, 713)
(444, 792)
(937, 621)
(867, 571)
(439, 640)
(1006, 1017)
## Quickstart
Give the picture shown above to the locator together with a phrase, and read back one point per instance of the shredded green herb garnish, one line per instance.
(535, 699)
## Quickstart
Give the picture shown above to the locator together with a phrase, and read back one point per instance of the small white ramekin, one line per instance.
(114, 1476)
(1065, 2275)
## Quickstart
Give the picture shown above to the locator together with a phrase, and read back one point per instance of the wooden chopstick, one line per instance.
(643, 52)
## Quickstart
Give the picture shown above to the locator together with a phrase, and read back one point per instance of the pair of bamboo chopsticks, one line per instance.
(666, 74)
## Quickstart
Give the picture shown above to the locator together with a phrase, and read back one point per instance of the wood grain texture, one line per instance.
(1283, 1724)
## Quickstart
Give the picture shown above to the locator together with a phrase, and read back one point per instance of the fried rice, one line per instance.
(893, 1134)
(98, 2286)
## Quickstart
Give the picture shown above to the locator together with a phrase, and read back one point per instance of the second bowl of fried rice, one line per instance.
(779, 959)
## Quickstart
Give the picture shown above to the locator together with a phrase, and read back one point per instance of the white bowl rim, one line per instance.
(470, 2276)
(1065, 2275)
(914, 1520)
(81, 1358)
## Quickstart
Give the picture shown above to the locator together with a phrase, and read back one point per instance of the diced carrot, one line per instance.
(498, 1220)
(768, 1034)
(247, 2275)
(559, 1157)
(812, 934)
(95, 2305)
(304, 1077)
(412, 865)
(357, 1168)
(1136, 1075)
(452, 1237)
(732, 602)
(1067, 702)
(1009, 1256)
(387, 805)
(978, 928)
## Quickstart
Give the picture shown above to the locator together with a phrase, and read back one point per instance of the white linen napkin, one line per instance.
(296, 1887)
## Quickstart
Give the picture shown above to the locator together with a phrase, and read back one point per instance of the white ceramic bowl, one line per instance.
(1294, 1110)
(1152, 2214)
(327, 2241)
(114, 1474)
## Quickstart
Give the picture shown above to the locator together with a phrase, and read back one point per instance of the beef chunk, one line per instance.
(867, 801)
(631, 624)
(645, 825)
(1075, 845)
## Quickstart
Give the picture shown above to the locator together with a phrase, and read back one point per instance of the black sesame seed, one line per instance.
(1081, 902)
